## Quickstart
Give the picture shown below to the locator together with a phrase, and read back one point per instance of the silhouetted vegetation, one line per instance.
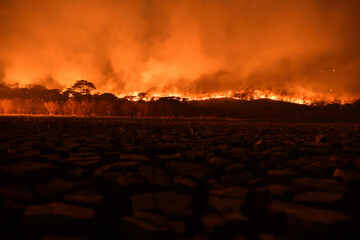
(79, 101)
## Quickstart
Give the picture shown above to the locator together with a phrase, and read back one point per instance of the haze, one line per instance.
(183, 46)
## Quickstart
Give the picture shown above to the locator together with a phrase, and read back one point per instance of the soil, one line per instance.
(122, 178)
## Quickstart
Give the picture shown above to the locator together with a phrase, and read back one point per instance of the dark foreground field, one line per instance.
(84, 178)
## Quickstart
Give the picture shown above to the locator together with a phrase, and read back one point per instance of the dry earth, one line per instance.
(101, 178)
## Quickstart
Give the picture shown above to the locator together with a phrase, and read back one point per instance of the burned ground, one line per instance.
(119, 178)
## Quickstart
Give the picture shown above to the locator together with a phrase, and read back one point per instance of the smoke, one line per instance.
(183, 46)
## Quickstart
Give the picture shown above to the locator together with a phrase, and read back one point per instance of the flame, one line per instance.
(197, 50)
(308, 98)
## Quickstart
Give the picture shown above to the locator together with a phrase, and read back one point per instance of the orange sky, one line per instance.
(187, 46)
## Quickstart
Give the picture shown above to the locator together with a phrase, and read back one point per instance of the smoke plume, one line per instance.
(183, 46)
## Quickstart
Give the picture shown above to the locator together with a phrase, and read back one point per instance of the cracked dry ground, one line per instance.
(88, 178)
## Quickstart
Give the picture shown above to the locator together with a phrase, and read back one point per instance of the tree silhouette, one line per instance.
(142, 95)
(83, 87)
(108, 97)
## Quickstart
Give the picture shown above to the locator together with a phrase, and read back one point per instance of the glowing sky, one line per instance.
(191, 46)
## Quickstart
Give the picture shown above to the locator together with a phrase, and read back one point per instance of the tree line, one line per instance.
(78, 100)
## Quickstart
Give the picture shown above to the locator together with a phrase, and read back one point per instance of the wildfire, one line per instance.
(305, 97)
(308, 98)
(79, 100)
